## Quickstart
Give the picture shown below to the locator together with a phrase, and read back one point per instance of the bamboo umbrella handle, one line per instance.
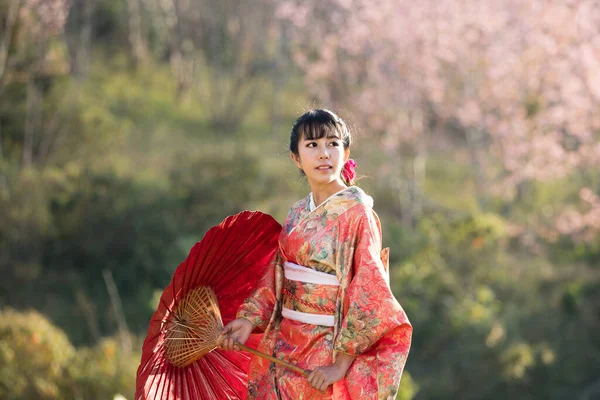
(304, 372)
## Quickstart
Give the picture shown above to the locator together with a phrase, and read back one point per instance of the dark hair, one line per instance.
(317, 124)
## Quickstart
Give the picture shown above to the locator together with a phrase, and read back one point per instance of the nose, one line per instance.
(323, 154)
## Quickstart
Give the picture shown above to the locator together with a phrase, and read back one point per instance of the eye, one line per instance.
(311, 144)
(335, 143)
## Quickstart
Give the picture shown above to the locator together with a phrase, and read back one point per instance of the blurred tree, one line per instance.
(522, 94)
(137, 41)
(103, 222)
(102, 372)
(9, 12)
(221, 51)
(38, 362)
(34, 357)
(79, 35)
(31, 57)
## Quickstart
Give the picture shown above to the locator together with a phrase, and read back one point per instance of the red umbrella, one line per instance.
(230, 259)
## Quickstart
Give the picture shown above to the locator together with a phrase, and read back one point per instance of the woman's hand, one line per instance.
(321, 377)
(238, 330)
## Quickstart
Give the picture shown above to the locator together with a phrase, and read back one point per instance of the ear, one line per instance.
(346, 154)
(295, 159)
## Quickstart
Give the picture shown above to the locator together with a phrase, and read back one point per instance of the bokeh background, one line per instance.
(129, 127)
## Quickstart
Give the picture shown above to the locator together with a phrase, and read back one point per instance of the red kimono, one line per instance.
(340, 237)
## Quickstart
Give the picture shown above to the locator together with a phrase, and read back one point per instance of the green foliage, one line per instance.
(25, 221)
(482, 314)
(130, 201)
(227, 176)
(408, 388)
(120, 225)
(107, 361)
(440, 186)
(38, 362)
(59, 220)
(34, 357)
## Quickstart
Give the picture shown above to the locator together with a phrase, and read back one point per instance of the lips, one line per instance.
(323, 167)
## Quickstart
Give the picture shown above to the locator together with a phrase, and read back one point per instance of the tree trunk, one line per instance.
(54, 132)
(84, 40)
(33, 111)
(13, 13)
(32, 121)
(402, 181)
(410, 177)
(177, 61)
(136, 38)
(417, 122)
(418, 162)
(474, 144)
(89, 313)
(278, 79)
(115, 300)
(1, 141)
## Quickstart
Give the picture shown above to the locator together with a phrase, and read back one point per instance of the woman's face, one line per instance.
(322, 159)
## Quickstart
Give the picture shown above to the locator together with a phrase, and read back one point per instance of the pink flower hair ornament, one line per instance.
(348, 171)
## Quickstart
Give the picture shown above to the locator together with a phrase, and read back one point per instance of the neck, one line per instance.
(322, 192)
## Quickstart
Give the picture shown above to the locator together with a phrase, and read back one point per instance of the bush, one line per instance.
(34, 357)
(102, 372)
(38, 362)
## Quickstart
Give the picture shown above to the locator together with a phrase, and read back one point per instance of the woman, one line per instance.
(326, 304)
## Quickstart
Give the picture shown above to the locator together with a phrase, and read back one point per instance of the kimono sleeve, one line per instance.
(259, 306)
(370, 310)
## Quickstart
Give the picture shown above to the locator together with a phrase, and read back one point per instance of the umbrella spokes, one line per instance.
(193, 329)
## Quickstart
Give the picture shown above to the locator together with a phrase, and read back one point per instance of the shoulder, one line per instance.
(359, 197)
(358, 203)
(295, 214)
(299, 205)
(361, 209)
(352, 198)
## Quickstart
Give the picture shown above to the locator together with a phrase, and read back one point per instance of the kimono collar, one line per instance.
(311, 202)
(366, 199)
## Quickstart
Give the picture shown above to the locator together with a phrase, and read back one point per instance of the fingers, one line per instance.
(224, 341)
(229, 343)
(228, 338)
(227, 328)
(318, 380)
(237, 330)
(323, 386)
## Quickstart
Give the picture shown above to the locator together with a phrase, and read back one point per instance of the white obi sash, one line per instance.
(295, 272)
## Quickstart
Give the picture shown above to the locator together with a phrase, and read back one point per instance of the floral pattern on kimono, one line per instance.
(342, 236)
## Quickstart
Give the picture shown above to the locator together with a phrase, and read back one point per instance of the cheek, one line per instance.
(339, 154)
(301, 154)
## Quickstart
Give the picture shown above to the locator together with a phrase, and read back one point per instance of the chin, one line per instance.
(324, 180)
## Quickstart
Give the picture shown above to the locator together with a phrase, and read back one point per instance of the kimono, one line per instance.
(341, 237)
